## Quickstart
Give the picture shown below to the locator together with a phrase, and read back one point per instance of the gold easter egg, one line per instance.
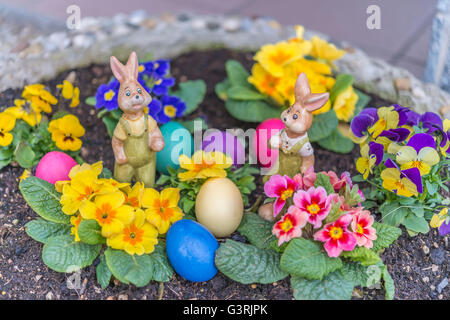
(219, 206)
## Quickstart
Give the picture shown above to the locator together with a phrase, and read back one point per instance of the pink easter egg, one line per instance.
(55, 166)
(265, 155)
(225, 142)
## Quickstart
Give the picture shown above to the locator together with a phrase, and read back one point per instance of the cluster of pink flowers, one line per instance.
(312, 205)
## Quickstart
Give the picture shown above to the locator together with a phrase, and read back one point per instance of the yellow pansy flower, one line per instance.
(109, 211)
(265, 83)
(321, 49)
(39, 97)
(385, 141)
(66, 132)
(25, 174)
(273, 57)
(75, 222)
(387, 119)
(25, 111)
(70, 92)
(393, 181)
(138, 237)
(7, 123)
(133, 195)
(438, 219)
(408, 158)
(162, 208)
(345, 103)
(447, 145)
(365, 163)
(204, 165)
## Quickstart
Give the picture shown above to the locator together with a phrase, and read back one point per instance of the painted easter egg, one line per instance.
(265, 155)
(219, 206)
(191, 250)
(225, 142)
(178, 141)
(55, 166)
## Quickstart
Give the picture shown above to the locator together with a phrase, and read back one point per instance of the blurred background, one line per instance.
(403, 39)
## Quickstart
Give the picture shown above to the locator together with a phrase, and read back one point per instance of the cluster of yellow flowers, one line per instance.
(130, 217)
(204, 165)
(278, 66)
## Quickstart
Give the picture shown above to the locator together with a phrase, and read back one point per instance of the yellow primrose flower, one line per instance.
(95, 168)
(438, 219)
(70, 92)
(25, 111)
(345, 103)
(387, 119)
(138, 237)
(75, 222)
(204, 165)
(112, 184)
(265, 83)
(25, 174)
(321, 49)
(133, 196)
(162, 208)
(109, 211)
(408, 158)
(7, 123)
(273, 57)
(366, 162)
(393, 181)
(66, 132)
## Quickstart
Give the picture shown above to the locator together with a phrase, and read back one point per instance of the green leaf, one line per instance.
(42, 197)
(432, 188)
(243, 93)
(307, 259)
(366, 256)
(336, 142)
(221, 89)
(4, 163)
(392, 213)
(334, 213)
(110, 124)
(135, 269)
(24, 155)
(252, 111)
(6, 153)
(90, 101)
(322, 126)
(248, 264)
(389, 284)
(356, 273)
(343, 81)
(416, 224)
(103, 273)
(192, 93)
(63, 254)
(386, 235)
(363, 100)
(237, 74)
(322, 180)
(90, 232)
(273, 245)
(190, 124)
(162, 269)
(257, 230)
(106, 173)
(41, 230)
(332, 287)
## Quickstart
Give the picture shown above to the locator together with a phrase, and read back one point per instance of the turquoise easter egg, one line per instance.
(178, 141)
(191, 250)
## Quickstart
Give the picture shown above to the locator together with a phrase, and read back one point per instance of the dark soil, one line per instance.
(417, 264)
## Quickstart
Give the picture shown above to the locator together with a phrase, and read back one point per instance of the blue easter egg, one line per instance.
(178, 141)
(191, 250)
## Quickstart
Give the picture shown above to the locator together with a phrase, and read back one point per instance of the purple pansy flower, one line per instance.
(412, 174)
(365, 119)
(434, 123)
(172, 107)
(444, 228)
(106, 95)
(406, 116)
(377, 150)
(396, 135)
(421, 140)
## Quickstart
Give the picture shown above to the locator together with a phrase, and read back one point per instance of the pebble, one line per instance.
(38, 277)
(442, 285)
(123, 297)
(198, 24)
(403, 83)
(83, 41)
(15, 222)
(432, 288)
(212, 25)
(418, 92)
(110, 298)
(426, 279)
(137, 17)
(183, 17)
(149, 23)
(437, 256)
(253, 286)
(49, 296)
(426, 250)
(231, 25)
(434, 268)
(444, 110)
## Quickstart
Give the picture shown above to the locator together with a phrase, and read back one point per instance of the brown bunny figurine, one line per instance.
(137, 137)
(297, 154)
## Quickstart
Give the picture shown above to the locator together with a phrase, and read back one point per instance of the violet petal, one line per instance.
(421, 140)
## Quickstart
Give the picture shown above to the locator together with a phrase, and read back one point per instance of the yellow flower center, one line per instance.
(170, 111)
(399, 185)
(359, 229)
(141, 68)
(132, 234)
(313, 208)
(156, 65)
(68, 137)
(158, 81)
(286, 194)
(132, 201)
(269, 84)
(109, 95)
(286, 225)
(163, 207)
(336, 232)
(87, 192)
(105, 214)
(280, 57)
(1, 133)
(417, 164)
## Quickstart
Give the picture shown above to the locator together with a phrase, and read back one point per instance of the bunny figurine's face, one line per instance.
(133, 98)
(298, 118)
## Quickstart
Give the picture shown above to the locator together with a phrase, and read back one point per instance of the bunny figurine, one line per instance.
(297, 154)
(137, 137)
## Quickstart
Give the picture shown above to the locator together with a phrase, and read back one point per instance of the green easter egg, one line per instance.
(178, 141)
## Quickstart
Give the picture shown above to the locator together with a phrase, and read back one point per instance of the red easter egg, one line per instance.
(265, 155)
(55, 166)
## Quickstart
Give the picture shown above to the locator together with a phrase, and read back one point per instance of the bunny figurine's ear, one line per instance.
(118, 69)
(315, 101)
(302, 88)
(133, 66)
